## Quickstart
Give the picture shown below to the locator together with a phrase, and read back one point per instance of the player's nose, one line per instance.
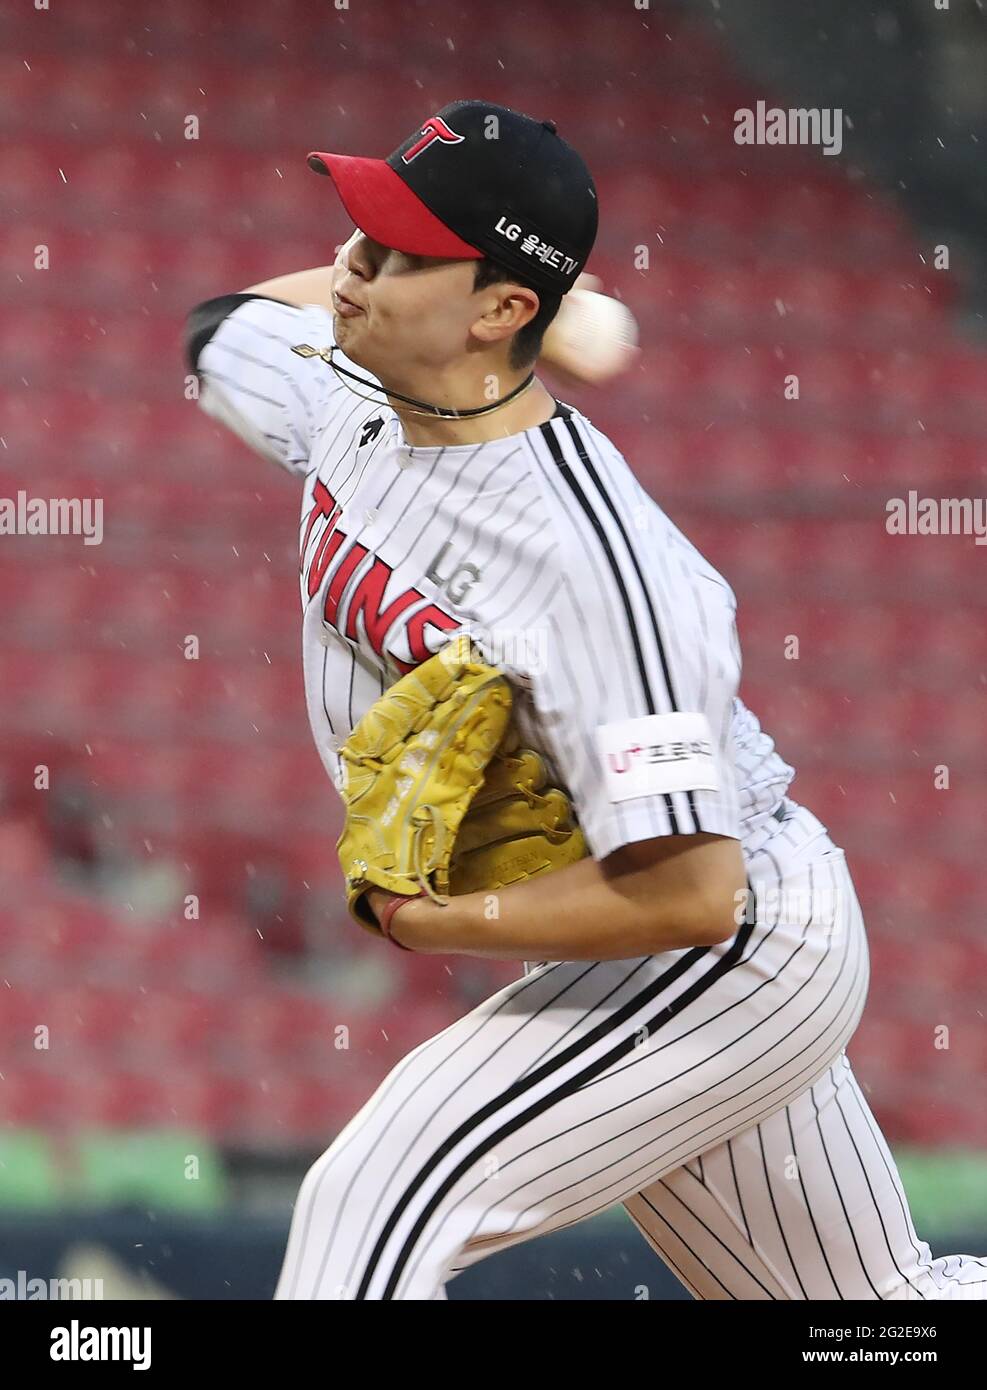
(359, 255)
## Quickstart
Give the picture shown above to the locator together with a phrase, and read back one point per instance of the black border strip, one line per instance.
(565, 470)
(583, 453)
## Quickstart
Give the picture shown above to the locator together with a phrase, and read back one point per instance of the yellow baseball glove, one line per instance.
(517, 826)
(439, 798)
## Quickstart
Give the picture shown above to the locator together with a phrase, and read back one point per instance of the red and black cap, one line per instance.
(477, 180)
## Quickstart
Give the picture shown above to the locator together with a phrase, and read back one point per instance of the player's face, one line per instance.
(396, 314)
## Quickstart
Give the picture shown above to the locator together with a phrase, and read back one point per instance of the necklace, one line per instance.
(326, 354)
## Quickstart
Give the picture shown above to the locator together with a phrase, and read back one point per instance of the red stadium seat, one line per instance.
(172, 1028)
(22, 1011)
(884, 1047)
(216, 953)
(87, 1020)
(807, 206)
(934, 1110)
(289, 1110)
(731, 206)
(22, 85)
(810, 301)
(110, 172)
(203, 1100)
(200, 776)
(285, 1027)
(39, 1097)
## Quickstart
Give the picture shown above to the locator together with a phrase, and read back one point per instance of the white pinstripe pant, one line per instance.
(707, 1090)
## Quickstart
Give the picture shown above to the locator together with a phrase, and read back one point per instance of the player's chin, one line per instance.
(343, 325)
(348, 332)
(358, 346)
(357, 352)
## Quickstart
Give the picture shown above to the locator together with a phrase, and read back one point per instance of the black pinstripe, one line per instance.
(713, 1018)
(522, 986)
(870, 1190)
(880, 1147)
(682, 1241)
(589, 484)
(694, 1118)
(606, 1199)
(596, 1034)
(467, 1044)
(652, 1238)
(696, 1217)
(777, 1214)
(808, 1204)
(582, 451)
(566, 473)
(740, 1200)
(597, 1004)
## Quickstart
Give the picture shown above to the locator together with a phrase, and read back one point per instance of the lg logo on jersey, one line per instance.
(457, 584)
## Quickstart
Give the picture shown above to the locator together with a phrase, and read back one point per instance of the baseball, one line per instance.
(593, 337)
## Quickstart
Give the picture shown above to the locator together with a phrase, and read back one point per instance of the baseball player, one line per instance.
(677, 1041)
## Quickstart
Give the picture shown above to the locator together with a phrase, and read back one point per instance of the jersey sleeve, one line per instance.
(633, 694)
(240, 346)
(638, 763)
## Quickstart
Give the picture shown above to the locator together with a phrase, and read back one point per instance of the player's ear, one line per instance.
(513, 307)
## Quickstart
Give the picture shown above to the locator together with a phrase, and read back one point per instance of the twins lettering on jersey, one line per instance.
(409, 612)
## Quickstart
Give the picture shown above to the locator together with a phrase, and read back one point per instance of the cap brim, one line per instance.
(383, 206)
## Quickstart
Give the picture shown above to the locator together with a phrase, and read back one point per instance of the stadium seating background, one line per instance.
(172, 777)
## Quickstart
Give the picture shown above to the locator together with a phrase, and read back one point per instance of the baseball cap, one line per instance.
(476, 180)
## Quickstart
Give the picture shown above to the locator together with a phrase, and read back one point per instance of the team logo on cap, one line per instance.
(434, 129)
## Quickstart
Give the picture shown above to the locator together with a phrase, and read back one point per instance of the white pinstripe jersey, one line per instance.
(543, 544)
